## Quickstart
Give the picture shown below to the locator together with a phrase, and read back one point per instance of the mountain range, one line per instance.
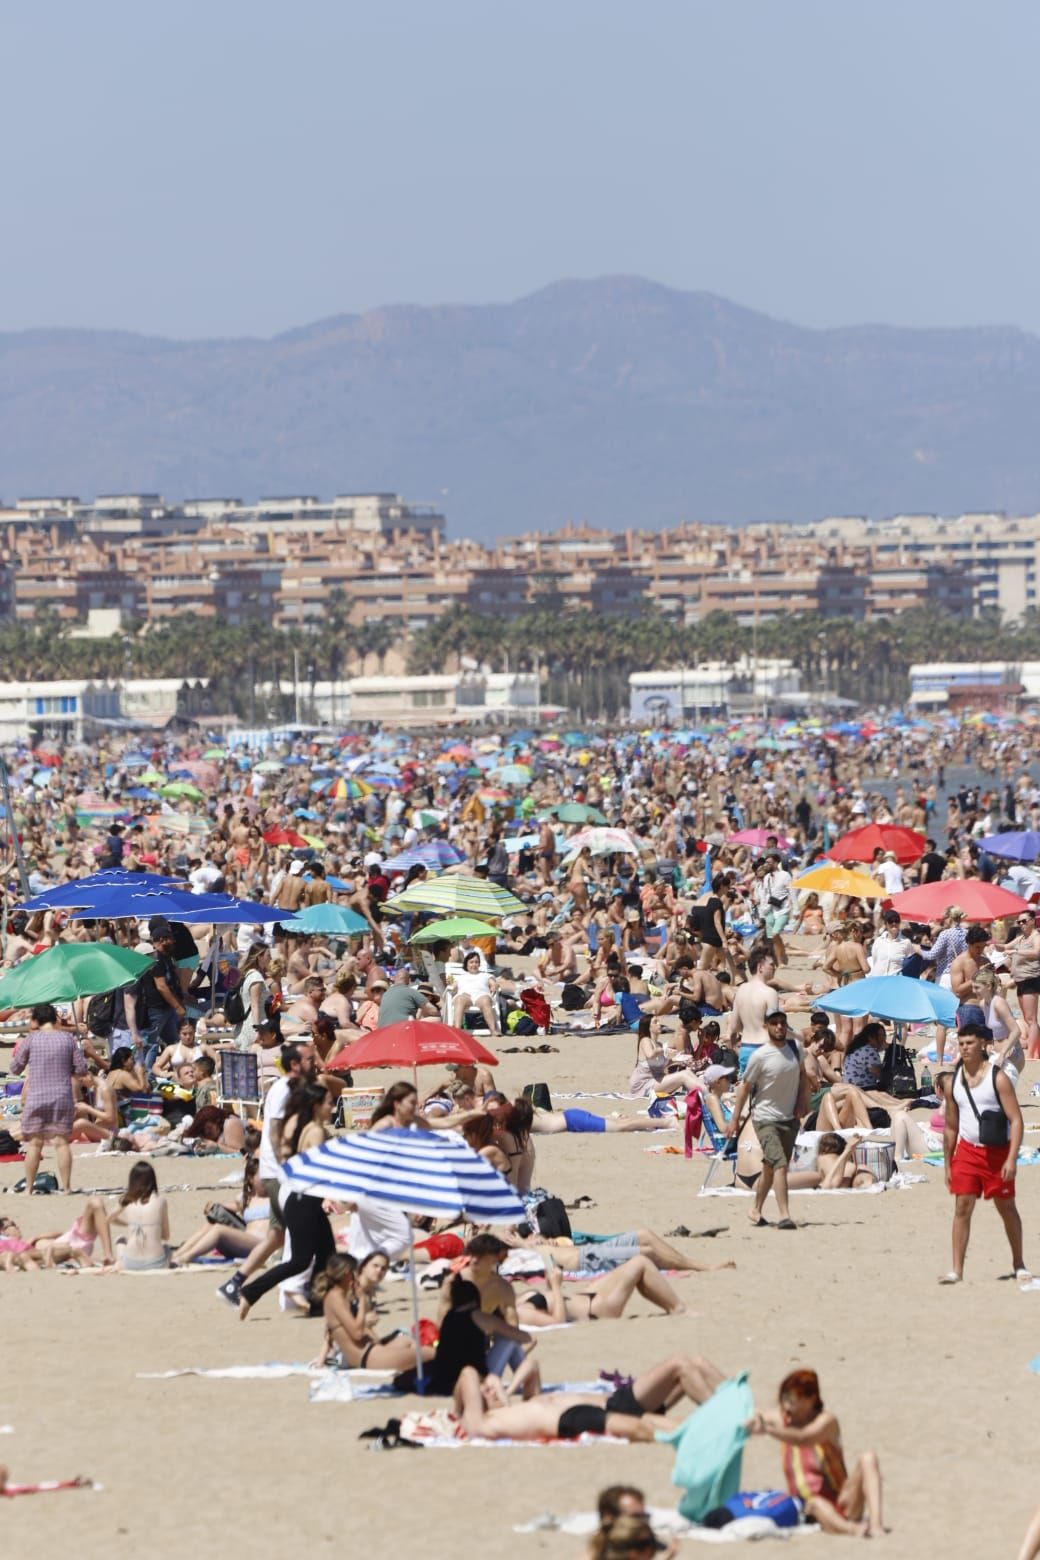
(615, 401)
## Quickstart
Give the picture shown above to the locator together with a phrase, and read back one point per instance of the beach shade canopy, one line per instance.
(459, 895)
(70, 970)
(181, 823)
(828, 878)
(603, 842)
(905, 844)
(979, 901)
(453, 928)
(81, 890)
(412, 1043)
(895, 997)
(1021, 845)
(334, 920)
(758, 839)
(575, 812)
(121, 904)
(419, 1172)
(432, 854)
(286, 837)
(181, 788)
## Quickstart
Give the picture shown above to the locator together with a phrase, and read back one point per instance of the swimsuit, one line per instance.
(584, 1121)
(581, 1419)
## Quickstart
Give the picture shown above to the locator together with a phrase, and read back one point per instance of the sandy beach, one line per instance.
(935, 1380)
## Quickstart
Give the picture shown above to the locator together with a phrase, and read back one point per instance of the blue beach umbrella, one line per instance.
(1019, 845)
(895, 997)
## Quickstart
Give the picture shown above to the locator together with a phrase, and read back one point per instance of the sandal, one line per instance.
(951, 1278)
(787, 1224)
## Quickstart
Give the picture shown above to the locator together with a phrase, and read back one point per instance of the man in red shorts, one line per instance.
(980, 1144)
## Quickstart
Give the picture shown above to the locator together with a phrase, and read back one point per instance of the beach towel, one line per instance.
(350, 1386)
(667, 1524)
(709, 1448)
(438, 1429)
(48, 1487)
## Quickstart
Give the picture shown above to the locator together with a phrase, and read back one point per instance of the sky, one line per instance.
(229, 168)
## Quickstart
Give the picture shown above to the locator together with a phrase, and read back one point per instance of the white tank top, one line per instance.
(998, 1030)
(985, 1096)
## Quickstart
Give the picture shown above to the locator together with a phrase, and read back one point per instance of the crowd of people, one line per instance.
(655, 893)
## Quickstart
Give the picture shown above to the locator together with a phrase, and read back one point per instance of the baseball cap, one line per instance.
(776, 1013)
(715, 1072)
(373, 859)
(295, 868)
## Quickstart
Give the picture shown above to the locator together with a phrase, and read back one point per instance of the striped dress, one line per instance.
(816, 1468)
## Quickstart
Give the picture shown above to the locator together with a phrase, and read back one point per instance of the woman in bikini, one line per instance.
(347, 1311)
(607, 1298)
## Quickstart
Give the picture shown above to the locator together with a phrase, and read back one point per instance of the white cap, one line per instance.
(295, 867)
(715, 1072)
(373, 859)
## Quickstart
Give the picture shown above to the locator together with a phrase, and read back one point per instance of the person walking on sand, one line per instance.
(775, 1082)
(981, 1139)
(53, 1056)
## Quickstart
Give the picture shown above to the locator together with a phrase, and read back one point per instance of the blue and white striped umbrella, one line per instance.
(432, 854)
(419, 1172)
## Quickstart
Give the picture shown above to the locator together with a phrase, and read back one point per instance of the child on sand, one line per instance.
(814, 1464)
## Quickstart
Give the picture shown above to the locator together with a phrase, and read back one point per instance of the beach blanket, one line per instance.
(350, 1386)
(898, 1183)
(440, 1430)
(667, 1524)
(274, 1370)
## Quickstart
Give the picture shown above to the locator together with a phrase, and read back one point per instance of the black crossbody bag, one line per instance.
(993, 1124)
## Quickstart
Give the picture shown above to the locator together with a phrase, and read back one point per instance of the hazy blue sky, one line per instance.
(243, 166)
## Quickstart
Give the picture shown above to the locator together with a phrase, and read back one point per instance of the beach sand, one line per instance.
(934, 1379)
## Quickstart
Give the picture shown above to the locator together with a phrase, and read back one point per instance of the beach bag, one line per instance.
(878, 1158)
(902, 1082)
(553, 1223)
(521, 1023)
(101, 1014)
(993, 1124)
(218, 1213)
(234, 1007)
(8, 1144)
(538, 1094)
(44, 1184)
(572, 998)
(694, 1121)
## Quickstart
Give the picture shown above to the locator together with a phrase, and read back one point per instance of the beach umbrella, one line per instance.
(828, 878)
(183, 788)
(214, 753)
(181, 823)
(270, 766)
(286, 837)
(81, 890)
(419, 1172)
(454, 928)
(334, 920)
(458, 894)
(433, 854)
(603, 842)
(895, 997)
(124, 902)
(1021, 845)
(70, 970)
(758, 839)
(413, 1043)
(512, 774)
(905, 844)
(152, 777)
(979, 901)
(315, 842)
(427, 817)
(575, 812)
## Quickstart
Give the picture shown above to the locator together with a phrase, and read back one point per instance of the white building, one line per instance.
(687, 692)
(70, 710)
(412, 700)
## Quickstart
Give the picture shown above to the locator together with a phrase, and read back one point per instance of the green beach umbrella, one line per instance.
(576, 812)
(70, 970)
(183, 788)
(458, 895)
(215, 753)
(452, 928)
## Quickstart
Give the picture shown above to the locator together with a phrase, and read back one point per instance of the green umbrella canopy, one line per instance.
(335, 920)
(70, 970)
(452, 928)
(576, 812)
(183, 788)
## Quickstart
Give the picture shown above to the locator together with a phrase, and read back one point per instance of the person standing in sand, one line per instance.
(751, 1002)
(54, 1058)
(775, 1081)
(981, 1139)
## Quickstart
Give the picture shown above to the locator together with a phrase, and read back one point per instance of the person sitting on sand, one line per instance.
(466, 1332)
(126, 1075)
(608, 1298)
(347, 1323)
(651, 1071)
(254, 1208)
(848, 1504)
(145, 1214)
(484, 1255)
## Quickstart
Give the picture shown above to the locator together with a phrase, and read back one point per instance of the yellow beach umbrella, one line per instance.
(828, 878)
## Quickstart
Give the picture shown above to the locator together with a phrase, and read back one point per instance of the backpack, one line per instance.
(234, 1007)
(101, 1014)
(553, 1222)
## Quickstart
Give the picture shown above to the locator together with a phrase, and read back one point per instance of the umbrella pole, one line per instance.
(415, 1305)
(214, 961)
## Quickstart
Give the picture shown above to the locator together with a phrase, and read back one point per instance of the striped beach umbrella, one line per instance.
(419, 1172)
(432, 854)
(459, 895)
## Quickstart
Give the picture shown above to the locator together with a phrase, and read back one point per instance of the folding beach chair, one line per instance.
(725, 1150)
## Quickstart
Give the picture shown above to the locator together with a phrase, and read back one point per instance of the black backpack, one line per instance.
(552, 1219)
(101, 1014)
(234, 1007)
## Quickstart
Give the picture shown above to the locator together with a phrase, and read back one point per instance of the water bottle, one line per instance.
(926, 1081)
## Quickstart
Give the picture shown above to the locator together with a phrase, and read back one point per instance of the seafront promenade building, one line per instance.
(381, 559)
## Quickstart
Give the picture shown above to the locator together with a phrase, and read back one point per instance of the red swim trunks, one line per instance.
(442, 1246)
(975, 1172)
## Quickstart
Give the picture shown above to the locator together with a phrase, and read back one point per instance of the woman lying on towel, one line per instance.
(608, 1298)
(563, 1416)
